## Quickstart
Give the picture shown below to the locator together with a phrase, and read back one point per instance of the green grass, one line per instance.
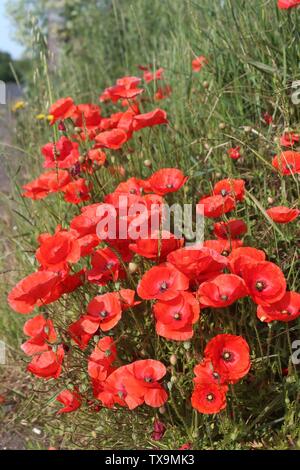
(253, 56)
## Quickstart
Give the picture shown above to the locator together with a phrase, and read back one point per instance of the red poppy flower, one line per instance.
(46, 183)
(230, 187)
(205, 373)
(103, 311)
(62, 109)
(112, 391)
(105, 267)
(224, 247)
(175, 318)
(153, 118)
(234, 153)
(97, 156)
(162, 93)
(70, 399)
(62, 154)
(34, 290)
(166, 180)
(133, 186)
(287, 163)
(286, 4)
(162, 282)
(198, 63)
(241, 256)
(150, 76)
(229, 355)
(48, 364)
(41, 332)
(234, 228)
(199, 264)
(286, 309)
(158, 246)
(102, 357)
(113, 139)
(282, 214)
(57, 251)
(142, 382)
(110, 122)
(265, 282)
(222, 291)
(87, 116)
(77, 191)
(288, 139)
(208, 398)
(78, 334)
(215, 206)
(127, 298)
(126, 88)
(134, 384)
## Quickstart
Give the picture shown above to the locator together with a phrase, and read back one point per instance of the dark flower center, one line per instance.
(260, 286)
(163, 286)
(225, 253)
(149, 380)
(177, 316)
(227, 356)
(286, 312)
(103, 314)
(290, 166)
(169, 185)
(210, 397)
(224, 192)
(109, 265)
(216, 375)
(224, 297)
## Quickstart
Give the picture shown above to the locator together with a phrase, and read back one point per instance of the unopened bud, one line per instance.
(173, 359)
(148, 163)
(132, 268)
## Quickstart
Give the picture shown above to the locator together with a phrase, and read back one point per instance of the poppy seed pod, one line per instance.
(206, 85)
(148, 163)
(173, 359)
(222, 125)
(132, 268)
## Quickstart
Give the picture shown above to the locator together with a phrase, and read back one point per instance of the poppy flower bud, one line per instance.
(61, 127)
(173, 359)
(78, 130)
(162, 410)
(148, 163)
(81, 159)
(270, 200)
(206, 85)
(222, 125)
(132, 267)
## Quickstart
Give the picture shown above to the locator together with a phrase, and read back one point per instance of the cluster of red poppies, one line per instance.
(181, 282)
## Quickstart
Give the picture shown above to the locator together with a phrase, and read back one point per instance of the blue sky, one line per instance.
(7, 43)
